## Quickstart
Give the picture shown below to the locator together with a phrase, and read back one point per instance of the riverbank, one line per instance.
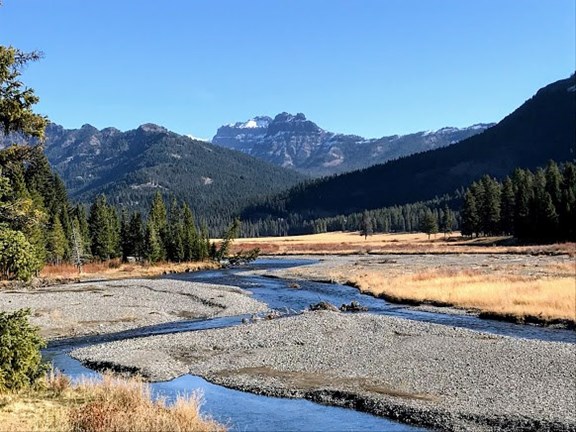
(419, 373)
(109, 404)
(518, 288)
(100, 307)
(352, 243)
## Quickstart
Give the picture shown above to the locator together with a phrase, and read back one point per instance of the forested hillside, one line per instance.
(542, 129)
(129, 167)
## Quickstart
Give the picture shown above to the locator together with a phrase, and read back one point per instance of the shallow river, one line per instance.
(247, 412)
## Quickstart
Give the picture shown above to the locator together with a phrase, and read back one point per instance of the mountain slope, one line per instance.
(543, 128)
(292, 141)
(129, 167)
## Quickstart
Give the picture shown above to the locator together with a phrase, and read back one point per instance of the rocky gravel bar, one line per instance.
(102, 307)
(425, 374)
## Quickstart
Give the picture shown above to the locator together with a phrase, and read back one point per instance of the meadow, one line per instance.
(517, 289)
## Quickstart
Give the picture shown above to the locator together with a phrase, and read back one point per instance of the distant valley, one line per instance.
(541, 129)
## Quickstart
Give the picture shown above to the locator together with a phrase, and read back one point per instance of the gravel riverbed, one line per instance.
(431, 375)
(101, 307)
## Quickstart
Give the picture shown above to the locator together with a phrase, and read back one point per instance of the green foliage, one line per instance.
(366, 228)
(447, 221)
(227, 239)
(536, 206)
(104, 229)
(20, 358)
(58, 246)
(17, 256)
(153, 249)
(16, 100)
(429, 224)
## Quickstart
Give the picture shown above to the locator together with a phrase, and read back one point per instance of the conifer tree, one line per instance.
(523, 225)
(554, 183)
(366, 227)
(429, 223)
(567, 210)
(542, 210)
(489, 206)
(152, 243)
(447, 221)
(507, 204)
(158, 218)
(470, 218)
(79, 214)
(190, 236)
(104, 229)
(57, 242)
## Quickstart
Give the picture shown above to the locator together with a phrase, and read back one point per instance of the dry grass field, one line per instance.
(516, 289)
(405, 243)
(115, 269)
(113, 404)
(520, 298)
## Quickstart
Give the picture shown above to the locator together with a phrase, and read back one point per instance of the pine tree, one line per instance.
(470, 219)
(79, 213)
(447, 221)
(429, 223)
(366, 227)
(554, 183)
(137, 232)
(190, 235)
(158, 218)
(57, 242)
(507, 204)
(152, 244)
(489, 206)
(77, 245)
(567, 210)
(104, 229)
(542, 210)
(523, 225)
(175, 234)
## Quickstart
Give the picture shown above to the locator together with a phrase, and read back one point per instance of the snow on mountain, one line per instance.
(295, 142)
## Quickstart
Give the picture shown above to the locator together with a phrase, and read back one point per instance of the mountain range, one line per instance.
(293, 141)
(129, 167)
(541, 129)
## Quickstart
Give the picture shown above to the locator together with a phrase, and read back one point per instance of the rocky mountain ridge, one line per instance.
(293, 141)
(129, 167)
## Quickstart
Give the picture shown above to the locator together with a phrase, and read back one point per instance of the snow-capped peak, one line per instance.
(195, 138)
(253, 123)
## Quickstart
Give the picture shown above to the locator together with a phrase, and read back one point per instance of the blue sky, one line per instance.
(369, 67)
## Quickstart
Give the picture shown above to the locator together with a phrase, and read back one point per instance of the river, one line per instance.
(248, 412)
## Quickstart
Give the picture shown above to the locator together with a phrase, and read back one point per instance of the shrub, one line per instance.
(17, 256)
(121, 405)
(20, 359)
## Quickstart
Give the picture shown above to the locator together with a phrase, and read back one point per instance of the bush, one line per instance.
(17, 256)
(20, 359)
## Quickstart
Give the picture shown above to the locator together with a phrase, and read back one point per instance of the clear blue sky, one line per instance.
(370, 67)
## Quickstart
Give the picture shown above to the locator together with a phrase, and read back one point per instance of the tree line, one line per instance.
(429, 216)
(166, 234)
(537, 206)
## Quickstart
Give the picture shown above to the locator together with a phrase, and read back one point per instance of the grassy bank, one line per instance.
(405, 243)
(113, 404)
(506, 296)
(115, 269)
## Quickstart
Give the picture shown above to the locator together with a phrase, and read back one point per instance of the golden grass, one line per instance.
(114, 269)
(549, 298)
(113, 404)
(405, 243)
